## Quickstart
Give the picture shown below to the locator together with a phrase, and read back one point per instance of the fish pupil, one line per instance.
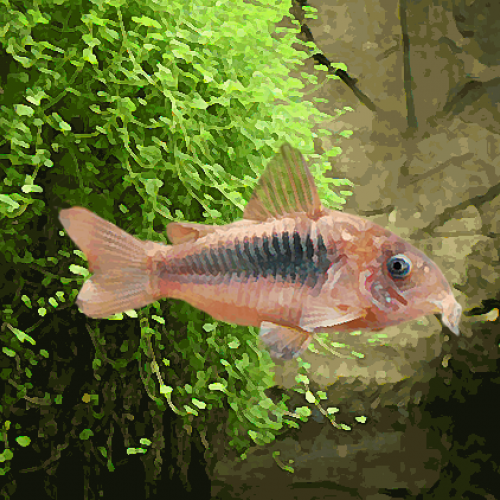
(399, 266)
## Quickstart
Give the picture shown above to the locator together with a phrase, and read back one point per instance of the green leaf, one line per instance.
(32, 188)
(199, 103)
(165, 75)
(346, 133)
(21, 336)
(6, 455)
(116, 317)
(252, 434)
(38, 17)
(23, 110)
(111, 34)
(231, 85)
(191, 411)
(90, 40)
(358, 354)
(310, 397)
(303, 411)
(166, 389)
(89, 56)
(23, 441)
(146, 21)
(234, 344)
(200, 404)
(9, 201)
(79, 270)
(321, 394)
(86, 434)
(152, 154)
(26, 300)
(301, 379)
(217, 386)
(152, 186)
(135, 451)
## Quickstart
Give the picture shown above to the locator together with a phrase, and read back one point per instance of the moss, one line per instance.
(145, 114)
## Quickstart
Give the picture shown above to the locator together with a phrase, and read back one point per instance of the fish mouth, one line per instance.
(451, 311)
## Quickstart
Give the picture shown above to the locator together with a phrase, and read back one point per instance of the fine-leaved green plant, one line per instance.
(145, 112)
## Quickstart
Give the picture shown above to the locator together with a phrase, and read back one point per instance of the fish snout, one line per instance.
(451, 312)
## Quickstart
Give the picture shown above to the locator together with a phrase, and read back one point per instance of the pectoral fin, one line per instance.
(334, 305)
(318, 315)
(284, 342)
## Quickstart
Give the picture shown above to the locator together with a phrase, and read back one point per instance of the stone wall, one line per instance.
(424, 158)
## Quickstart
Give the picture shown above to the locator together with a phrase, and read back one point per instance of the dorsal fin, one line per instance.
(286, 187)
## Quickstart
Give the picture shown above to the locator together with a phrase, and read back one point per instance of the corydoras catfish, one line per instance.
(291, 266)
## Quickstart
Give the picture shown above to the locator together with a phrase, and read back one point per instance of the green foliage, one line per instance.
(160, 111)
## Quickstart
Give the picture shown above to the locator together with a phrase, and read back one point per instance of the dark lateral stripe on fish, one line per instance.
(291, 257)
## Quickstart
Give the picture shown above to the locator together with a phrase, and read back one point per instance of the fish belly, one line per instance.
(247, 302)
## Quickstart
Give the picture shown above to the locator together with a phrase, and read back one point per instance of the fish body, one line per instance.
(290, 266)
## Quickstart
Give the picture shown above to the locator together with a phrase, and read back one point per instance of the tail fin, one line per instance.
(122, 265)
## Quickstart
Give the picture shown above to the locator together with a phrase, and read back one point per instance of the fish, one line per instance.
(290, 266)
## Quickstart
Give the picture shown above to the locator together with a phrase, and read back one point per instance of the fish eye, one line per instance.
(399, 266)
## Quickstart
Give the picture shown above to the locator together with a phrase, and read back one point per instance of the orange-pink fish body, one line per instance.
(290, 267)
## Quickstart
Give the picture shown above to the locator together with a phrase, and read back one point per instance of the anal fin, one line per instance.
(284, 342)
